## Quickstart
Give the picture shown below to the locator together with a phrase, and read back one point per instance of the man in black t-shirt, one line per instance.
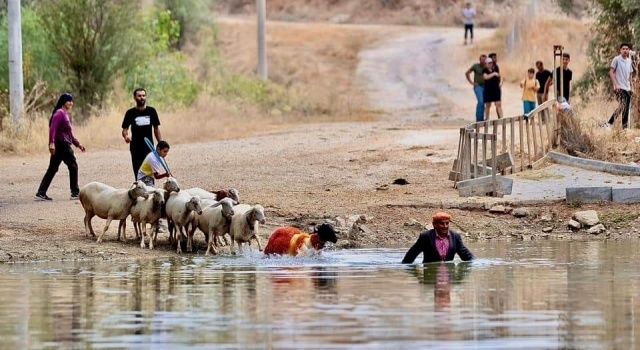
(542, 76)
(141, 119)
(566, 78)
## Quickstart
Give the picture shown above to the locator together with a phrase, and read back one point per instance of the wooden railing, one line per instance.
(514, 143)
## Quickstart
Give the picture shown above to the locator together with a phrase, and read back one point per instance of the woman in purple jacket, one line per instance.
(60, 140)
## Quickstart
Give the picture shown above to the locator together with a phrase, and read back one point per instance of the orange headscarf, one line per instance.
(441, 216)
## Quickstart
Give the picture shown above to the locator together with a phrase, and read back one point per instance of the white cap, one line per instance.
(488, 60)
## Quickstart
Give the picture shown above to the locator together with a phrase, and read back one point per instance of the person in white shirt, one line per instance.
(468, 14)
(622, 68)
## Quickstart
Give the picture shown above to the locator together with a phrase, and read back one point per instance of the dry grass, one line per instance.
(403, 12)
(537, 40)
(312, 67)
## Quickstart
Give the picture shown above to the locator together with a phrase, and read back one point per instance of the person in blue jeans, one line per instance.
(478, 85)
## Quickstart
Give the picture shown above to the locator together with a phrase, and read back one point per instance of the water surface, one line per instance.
(527, 295)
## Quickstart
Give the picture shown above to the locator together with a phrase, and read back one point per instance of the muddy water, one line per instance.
(531, 295)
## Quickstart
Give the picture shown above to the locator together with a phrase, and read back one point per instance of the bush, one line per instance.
(166, 79)
(264, 94)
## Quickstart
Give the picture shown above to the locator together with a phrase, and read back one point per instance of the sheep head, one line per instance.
(257, 214)
(235, 195)
(171, 185)
(227, 206)
(326, 233)
(195, 204)
(138, 189)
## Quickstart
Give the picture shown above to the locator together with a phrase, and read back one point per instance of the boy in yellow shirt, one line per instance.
(530, 86)
(152, 168)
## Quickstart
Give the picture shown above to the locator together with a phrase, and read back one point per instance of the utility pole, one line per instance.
(16, 84)
(261, 6)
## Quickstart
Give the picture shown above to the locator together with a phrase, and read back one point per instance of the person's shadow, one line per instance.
(442, 276)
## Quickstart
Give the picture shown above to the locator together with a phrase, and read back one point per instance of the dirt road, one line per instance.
(300, 174)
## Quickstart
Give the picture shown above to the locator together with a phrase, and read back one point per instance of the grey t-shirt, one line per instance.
(468, 14)
(623, 69)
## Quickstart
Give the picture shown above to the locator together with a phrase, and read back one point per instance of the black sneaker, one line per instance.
(43, 197)
(74, 196)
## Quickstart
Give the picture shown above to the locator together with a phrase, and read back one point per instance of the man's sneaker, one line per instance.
(42, 197)
(74, 196)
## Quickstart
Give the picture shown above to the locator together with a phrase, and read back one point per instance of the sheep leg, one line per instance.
(152, 241)
(190, 232)
(179, 239)
(210, 241)
(172, 231)
(106, 227)
(143, 234)
(87, 224)
(124, 229)
(257, 242)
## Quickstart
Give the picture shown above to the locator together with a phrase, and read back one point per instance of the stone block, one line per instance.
(484, 185)
(503, 161)
(588, 194)
(625, 195)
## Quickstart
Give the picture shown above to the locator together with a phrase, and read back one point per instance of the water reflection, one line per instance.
(549, 295)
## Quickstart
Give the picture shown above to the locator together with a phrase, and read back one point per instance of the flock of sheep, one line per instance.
(216, 214)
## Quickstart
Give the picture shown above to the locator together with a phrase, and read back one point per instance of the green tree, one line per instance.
(40, 62)
(190, 14)
(95, 40)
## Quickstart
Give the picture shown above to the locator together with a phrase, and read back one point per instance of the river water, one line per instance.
(526, 295)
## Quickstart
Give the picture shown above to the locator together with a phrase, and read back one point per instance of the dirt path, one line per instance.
(302, 174)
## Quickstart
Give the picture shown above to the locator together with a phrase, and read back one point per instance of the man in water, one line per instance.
(141, 119)
(439, 243)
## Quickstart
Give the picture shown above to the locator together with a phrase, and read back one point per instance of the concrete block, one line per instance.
(503, 161)
(625, 195)
(588, 194)
(484, 185)
(595, 165)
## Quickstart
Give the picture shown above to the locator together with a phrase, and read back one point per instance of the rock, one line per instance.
(521, 212)
(587, 217)
(546, 218)
(597, 229)
(547, 229)
(574, 225)
(400, 181)
(340, 222)
(345, 244)
(413, 223)
(498, 209)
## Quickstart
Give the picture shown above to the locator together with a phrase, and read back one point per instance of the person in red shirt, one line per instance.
(61, 139)
(439, 243)
(292, 241)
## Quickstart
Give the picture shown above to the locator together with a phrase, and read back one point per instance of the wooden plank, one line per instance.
(484, 154)
(467, 157)
(548, 124)
(521, 143)
(528, 141)
(504, 134)
(493, 167)
(543, 150)
(512, 146)
(532, 117)
(475, 155)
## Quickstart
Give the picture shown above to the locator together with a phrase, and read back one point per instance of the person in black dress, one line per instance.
(492, 89)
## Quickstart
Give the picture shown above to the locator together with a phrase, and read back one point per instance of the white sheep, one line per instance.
(108, 203)
(244, 225)
(181, 208)
(148, 211)
(215, 195)
(170, 185)
(214, 221)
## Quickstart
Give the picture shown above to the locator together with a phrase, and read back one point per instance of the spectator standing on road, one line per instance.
(492, 93)
(61, 139)
(468, 14)
(542, 76)
(142, 119)
(620, 73)
(566, 74)
(478, 85)
(529, 87)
